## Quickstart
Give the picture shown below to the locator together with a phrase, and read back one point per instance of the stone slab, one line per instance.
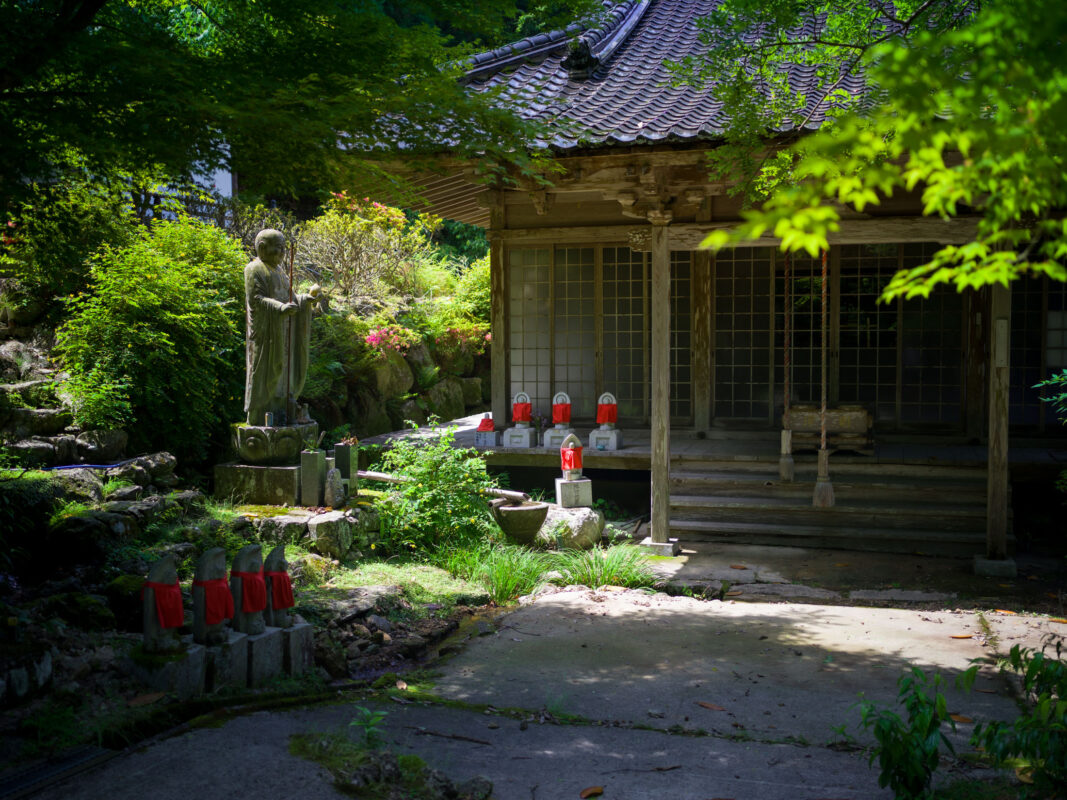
(273, 486)
(995, 567)
(182, 674)
(574, 494)
(312, 477)
(227, 663)
(601, 439)
(264, 657)
(298, 649)
(554, 437)
(487, 438)
(520, 437)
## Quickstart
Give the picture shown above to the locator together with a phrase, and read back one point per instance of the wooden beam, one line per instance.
(701, 333)
(661, 383)
(997, 468)
(499, 323)
(689, 235)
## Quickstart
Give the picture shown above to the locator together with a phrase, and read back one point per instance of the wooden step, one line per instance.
(919, 541)
(756, 484)
(786, 511)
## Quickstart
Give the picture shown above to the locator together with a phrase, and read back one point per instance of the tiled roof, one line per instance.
(615, 88)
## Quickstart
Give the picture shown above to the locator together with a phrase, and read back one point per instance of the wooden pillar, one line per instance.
(701, 330)
(501, 348)
(997, 489)
(661, 380)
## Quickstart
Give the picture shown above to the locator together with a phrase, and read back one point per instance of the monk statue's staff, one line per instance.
(289, 405)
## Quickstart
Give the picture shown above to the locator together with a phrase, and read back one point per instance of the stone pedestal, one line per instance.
(312, 477)
(554, 437)
(227, 663)
(180, 673)
(520, 437)
(574, 494)
(669, 548)
(272, 444)
(487, 438)
(605, 439)
(273, 486)
(298, 649)
(264, 656)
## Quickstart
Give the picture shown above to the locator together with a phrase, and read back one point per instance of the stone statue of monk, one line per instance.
(270, 316)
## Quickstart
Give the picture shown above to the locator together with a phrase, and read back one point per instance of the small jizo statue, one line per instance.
(279, 589)
(212, 601)
(249, 590)
(161, 600)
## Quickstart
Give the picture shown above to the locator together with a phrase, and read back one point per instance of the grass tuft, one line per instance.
(621, 565)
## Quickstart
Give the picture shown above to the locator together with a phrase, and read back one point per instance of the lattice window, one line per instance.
(1028, 356)
(625, 347)
(681, 337)
(531, 317)
(574, 353)
(867, 343)
(931, 349)
(806, 329)
(742, 333)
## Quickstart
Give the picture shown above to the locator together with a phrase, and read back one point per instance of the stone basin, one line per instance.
(521, 522)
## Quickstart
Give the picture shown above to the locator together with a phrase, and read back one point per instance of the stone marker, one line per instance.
(212, 600)
(161, 601)
(226, 662)
(312, 476)
(249, 590)
(298, 642)
(279, 589)
(334, 495)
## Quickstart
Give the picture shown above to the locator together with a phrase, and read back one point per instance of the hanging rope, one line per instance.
(788, 330)
(822, 413)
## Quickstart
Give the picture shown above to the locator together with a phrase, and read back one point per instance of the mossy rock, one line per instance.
(124, 598)
(86, 611)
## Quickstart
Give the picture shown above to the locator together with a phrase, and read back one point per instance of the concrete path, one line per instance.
(678, 698)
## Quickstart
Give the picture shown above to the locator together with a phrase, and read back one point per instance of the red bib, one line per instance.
(571, 458)
(218, 602)
(168, 603)
(608, 412)
(486, 425)
(561, 412)
(521, 412)
(281, 590)
(253, 591)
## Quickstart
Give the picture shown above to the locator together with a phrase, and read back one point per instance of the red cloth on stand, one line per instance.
(168, 598)
(281, 590)
(571, 457)
(486, 424)
(218, 602)
(561, 412)
(521, 412)
(607, 412)
(253, 591)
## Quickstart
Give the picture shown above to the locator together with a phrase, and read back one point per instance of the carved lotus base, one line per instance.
(257, 444)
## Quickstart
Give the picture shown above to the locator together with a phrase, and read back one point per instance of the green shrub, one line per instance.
(908, 752)
(1037, 740)
(443, 505)
(506, 571)
(366, 249)
(48, 242)
(474, 290)
(620, 565)
(161, 331)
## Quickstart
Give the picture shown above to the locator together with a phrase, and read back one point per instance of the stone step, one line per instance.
(917, 541)
(847, 512)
